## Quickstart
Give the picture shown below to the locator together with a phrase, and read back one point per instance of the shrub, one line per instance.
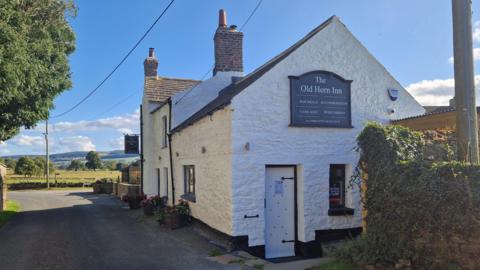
(419, 210)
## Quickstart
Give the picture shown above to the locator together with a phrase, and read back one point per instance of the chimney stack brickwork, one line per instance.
(151, 64)
(228, 47)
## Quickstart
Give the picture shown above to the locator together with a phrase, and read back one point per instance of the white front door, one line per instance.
(279, 212)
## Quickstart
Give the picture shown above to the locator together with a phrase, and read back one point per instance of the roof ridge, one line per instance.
(172, 78)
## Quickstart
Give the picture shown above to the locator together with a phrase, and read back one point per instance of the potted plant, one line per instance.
(134, 200)
(176, 216)
(148, 205)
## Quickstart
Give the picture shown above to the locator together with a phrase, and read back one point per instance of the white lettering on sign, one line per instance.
(319, 79)
(317, 89)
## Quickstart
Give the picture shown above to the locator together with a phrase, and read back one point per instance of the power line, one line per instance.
(213, 66)
(118, 65)
(117, 104)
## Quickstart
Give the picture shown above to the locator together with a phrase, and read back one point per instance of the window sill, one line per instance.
(188, 197)
(341, 211)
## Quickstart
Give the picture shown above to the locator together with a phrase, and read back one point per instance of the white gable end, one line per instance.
(261, 119)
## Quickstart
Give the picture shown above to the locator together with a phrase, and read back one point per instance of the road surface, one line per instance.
(82, 230)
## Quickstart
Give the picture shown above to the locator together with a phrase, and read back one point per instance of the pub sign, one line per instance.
(320, 99)
(131, 144)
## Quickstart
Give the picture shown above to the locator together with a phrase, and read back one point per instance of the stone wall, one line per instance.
(121, 189)
(207, 145)
(3, 187)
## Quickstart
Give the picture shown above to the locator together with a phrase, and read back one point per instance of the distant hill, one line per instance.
(69, 156)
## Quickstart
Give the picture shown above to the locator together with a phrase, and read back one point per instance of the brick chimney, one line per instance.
(151, 64)
(228, 46)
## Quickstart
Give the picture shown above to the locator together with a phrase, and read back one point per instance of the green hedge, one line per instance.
(421, 211)
(38, 185)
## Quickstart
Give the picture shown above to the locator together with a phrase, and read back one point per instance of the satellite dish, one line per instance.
(393, 94)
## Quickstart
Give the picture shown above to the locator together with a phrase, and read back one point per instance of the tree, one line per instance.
(10, 163)
(76, 165)
(40, 163)
(93, 160)
(120, 166)
(25, 166)
(109, 165)
(36, 41)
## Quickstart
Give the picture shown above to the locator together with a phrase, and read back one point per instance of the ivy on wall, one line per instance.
(422, 208)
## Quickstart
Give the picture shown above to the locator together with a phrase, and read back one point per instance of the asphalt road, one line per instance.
(81, 230)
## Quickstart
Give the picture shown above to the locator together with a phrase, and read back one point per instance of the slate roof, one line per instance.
(159, 89)
(226, 94)
(438, 110)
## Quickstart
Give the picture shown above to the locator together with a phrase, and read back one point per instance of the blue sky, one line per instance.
(411, 38)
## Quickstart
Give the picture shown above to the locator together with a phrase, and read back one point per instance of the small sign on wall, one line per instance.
(320, 99)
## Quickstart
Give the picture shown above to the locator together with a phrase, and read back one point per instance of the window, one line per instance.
(165, 181)
(337, 191)
(337, 185)
(164, 131)
(189, 182)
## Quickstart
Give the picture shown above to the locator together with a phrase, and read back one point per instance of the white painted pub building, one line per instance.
(266, 158)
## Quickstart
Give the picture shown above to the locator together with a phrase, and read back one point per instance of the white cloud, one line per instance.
(26, 140)
(3, 148)
(435, 92)
(476, 31)
(123, 123)
(74, 143)
(117, 143)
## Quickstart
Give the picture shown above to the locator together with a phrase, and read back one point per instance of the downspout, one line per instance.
(170, 149)
(141, 149)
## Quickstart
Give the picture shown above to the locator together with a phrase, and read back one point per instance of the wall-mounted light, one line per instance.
(177, 154)
(204, 149)
(246, 147)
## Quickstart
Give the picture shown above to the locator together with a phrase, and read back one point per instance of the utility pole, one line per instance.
(466, 111)
(47, 156)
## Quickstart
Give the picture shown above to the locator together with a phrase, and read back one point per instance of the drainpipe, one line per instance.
(170, 149)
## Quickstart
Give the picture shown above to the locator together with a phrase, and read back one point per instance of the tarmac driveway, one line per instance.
(82, 230)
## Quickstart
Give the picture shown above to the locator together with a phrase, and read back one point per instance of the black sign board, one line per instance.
(131, 144)
(320, 99)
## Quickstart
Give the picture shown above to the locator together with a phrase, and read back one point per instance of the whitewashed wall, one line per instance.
(213, 189)
(261, 118)
(155, 155)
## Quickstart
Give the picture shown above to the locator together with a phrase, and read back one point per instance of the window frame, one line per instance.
(164, 132)
(339, 209)
(189, 186)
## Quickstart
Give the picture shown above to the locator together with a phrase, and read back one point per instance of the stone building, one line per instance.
(266, 158)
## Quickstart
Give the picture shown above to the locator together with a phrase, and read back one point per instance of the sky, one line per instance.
(411, 38)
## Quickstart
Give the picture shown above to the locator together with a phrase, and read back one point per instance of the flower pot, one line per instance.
(174, 220)
(134, 204)
(97, 188)
(148, 210)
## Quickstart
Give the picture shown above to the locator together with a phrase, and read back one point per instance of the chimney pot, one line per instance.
(222, 19)
(150, 64)
(228, 47)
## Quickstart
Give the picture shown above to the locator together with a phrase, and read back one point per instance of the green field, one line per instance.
(66, 176)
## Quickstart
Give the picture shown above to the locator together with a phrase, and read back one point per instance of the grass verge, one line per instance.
(335, 265)
(12, 208)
